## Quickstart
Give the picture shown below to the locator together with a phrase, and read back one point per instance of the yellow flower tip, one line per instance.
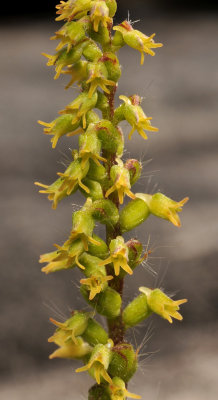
(183, 201)
(57, 323)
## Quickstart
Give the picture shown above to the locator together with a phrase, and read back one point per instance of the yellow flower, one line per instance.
(69, 349)
(121, 178)
(54, 191)
(61, 126)
(73, 9)
(73, 176)
(137, 40)
(67, 256)
(118, 256)
(97, 76)
(90, 147)
(118, 390)
(163, 305)
(80, 106)
(96, 284)
(163, 207)
(100, 14)
(99, 362)
(136, 117)
(74, 326)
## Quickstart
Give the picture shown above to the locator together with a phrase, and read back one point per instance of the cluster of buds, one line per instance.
(87, 51)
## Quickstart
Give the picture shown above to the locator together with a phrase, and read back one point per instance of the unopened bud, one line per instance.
(105, 212)
(94, 333)
(136, 311)
(133, 214)
(135, 168)
(124, 362)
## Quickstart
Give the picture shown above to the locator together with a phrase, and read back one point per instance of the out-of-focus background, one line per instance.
(180, 90)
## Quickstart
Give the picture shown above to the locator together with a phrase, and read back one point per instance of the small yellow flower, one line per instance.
(100, 14)
(54, 191)
(137, 40)
(69, 349)
(136, 117)
(163, 305)
(73, 9)
(118, 256)
(118, 390)
(80, 106)
(73, 176)
(163, 207)
(99, 362)
(61, 126)
(97, 76)
(74, 326)
(96, 284)
(90, 147)
(121, 178)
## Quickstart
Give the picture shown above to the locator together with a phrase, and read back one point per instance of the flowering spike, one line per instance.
(87, 49)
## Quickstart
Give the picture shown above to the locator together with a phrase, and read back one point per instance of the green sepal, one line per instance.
(124, 362)
(91, 264)
(100, 251)
(105, 212)
(107, 303)
(112, 6)
(95, 189)
(95, 333)
(96, 172)
(91, 51)
(136, 311)
(133, 214)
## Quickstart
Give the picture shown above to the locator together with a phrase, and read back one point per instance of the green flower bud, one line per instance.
(60, 126)
(105, 212)
(117, 41)
(80, 106)
(102, 36)
(94, 333)
(113, 66)
(101, 250)
(91, 264)
(135, 168)
(112, 5)
(111, 138)
(99, 392)
(74, 326)
(109, 303)
(137, 40)
(133, 214)
(124, 362)
(99, 362)
(161, 304)
(164, 207)
(69, 349)
(136, 311)
(96, 172)
(91, 52)
(92, 118)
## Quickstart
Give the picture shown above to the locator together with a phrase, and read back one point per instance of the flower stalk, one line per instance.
(88, 52)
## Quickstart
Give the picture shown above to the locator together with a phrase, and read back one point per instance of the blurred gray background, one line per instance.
(180, 90)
